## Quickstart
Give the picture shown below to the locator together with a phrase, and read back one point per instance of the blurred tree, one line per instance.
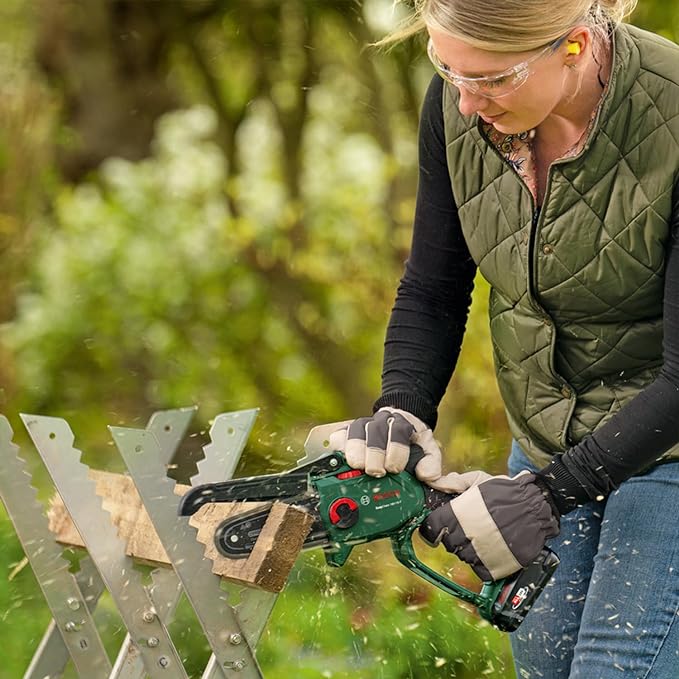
(297, 106)
(26, 116)
(108, 62)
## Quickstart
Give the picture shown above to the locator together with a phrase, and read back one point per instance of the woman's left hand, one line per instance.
(498, 526)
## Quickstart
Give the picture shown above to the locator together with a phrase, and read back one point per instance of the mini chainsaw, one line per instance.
(351, 508)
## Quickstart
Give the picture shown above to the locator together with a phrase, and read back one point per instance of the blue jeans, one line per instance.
(611, 610)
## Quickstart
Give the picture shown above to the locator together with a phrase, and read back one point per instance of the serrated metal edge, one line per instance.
(169, 427)
(228, 435)
(222, 455)
(219, 463)
(59, 587)
(139, 450)
(54, 440)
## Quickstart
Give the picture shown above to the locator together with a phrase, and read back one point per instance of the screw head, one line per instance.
(235, 638)
(148, 616)
(153, 641)
(73, 603)
(164, 661)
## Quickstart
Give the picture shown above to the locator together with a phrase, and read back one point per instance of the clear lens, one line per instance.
(488, 87)
(494, 86)
(499, 87)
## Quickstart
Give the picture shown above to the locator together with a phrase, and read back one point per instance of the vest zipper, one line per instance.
(532, 244)
(533, 241)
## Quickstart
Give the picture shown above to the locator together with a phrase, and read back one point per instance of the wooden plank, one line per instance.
(267, 567)
(275, 551)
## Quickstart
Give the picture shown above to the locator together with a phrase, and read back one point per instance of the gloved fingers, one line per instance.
(484, 542)
(429, 467)
(381, 444)
(376, 439)
(438, 524)
(387, 437)
(458, 483)
(456, 543)
(442, 527)
(398, 444)
(338, 440)
(355, 448)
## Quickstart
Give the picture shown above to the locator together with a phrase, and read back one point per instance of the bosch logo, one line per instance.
(378, 497)
(365, 500)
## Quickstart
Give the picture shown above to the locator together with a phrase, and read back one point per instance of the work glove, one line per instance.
(381, 444)
(498, 526)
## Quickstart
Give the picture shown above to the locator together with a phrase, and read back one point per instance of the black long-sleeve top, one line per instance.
(427, 324)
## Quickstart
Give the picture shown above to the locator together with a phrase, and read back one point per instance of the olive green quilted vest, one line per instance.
(577, 287)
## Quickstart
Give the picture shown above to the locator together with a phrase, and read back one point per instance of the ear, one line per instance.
(576, 45)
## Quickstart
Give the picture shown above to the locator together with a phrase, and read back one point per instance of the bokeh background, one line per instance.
(209, 202)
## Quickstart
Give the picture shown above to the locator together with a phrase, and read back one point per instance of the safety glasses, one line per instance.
(495, 86)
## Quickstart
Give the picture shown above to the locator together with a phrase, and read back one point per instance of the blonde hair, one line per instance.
(511, 25)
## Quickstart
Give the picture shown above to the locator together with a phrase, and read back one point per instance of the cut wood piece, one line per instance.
(267, 567)
(274, 553)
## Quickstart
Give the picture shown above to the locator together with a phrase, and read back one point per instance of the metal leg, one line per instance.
(69, 608)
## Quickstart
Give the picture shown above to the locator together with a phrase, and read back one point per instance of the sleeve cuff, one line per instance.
(566, 491)
(411, 403)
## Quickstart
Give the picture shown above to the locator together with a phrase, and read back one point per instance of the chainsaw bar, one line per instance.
(286, 487)
(235, 538)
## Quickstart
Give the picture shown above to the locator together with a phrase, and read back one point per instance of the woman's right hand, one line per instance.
(380, 444)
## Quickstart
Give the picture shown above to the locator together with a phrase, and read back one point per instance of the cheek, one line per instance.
(544, 93)
(531, 104)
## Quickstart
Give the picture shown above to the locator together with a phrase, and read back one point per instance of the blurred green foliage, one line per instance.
(209, 202)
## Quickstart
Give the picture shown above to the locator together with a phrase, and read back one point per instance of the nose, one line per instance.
(471, 103)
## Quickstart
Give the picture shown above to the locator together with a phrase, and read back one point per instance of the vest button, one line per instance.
(547, 249)
(566, 391)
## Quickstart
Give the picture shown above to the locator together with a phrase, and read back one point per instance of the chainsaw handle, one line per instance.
(505, 602)
(402, 546)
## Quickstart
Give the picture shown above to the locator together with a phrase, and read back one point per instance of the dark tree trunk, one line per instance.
(107, 59)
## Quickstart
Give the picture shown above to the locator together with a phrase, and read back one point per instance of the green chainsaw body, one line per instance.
(356, 508)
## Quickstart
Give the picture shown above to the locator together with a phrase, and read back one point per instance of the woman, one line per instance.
(549, 160)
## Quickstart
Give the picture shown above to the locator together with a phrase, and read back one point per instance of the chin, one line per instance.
(508, 125)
